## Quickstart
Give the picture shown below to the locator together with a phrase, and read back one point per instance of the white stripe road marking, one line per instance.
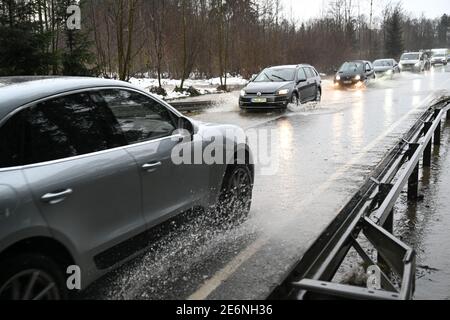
(213, 283)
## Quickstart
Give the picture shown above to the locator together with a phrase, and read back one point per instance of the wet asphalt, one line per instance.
(319, 157)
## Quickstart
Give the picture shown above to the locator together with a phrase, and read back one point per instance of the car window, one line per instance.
(301, 74)
(276, 75)
(12, 143)
(141, 118)
(59, 128)
(352, 67)
(309, 73)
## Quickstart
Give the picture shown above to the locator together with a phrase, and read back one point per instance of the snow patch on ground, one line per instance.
(204, 86)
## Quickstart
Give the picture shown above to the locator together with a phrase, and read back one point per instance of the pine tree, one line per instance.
(394, 34)
(443, 27)
(23, 49)
(76, 56)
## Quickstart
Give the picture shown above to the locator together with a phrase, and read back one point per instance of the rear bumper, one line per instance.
(272, 101)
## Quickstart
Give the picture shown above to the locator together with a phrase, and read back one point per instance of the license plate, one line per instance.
(347, 82)
(259, 100)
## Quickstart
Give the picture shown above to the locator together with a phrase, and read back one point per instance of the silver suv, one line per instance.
(86, 172)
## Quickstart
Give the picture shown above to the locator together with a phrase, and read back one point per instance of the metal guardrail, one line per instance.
(370, 213)
(191, 106)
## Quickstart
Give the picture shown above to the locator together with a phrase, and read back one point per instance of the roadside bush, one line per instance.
(159, 91)
(191, 90)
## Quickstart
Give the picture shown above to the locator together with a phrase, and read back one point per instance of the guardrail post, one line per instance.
(388, 225)
(413, 182)
(437, 133)
(427, 152)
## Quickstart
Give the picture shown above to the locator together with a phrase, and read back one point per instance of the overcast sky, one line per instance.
(305, 9)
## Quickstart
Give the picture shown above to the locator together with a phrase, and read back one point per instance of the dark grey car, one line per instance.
(276, 87)
(354, 73)
(86, 172)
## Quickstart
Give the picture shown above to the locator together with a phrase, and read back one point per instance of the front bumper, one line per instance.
(348, 82)
(440, 61)
(384, 73)
(410, 67)
(271, 101)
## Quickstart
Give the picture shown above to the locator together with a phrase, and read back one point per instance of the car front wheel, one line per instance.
(31, 277)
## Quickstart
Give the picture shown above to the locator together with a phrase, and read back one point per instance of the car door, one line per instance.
(168, 187)
(311, 83)
(314, 80)
(85, 184)
(302, 84)
(369, 71)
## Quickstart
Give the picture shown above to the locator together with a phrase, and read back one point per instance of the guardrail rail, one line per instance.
(371, 213)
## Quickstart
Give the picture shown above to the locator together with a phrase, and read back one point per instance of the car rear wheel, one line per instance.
(235, 199)
(31, 277)
(319, 95)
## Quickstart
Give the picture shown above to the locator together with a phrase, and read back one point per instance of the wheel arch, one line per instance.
(42, 245)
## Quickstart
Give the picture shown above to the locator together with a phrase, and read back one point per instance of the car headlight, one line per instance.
(338, 77)
(417, 64)
(389, 71)
(283, 92)
(358, 77)
(243, 93)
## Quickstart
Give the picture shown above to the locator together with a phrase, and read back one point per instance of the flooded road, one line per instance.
(320, 156)
(425, 225)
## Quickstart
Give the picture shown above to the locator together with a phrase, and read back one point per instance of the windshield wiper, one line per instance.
(278, 77)
(267, 76)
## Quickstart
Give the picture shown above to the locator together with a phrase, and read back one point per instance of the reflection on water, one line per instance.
(286, 138)
(389, 104)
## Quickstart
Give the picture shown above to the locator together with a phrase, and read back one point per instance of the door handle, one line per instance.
(57, 197)
(150, 167)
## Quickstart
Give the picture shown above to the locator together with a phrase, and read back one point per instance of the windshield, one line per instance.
(410, 56)
(352, 67)
(276, 75)
(383, 63)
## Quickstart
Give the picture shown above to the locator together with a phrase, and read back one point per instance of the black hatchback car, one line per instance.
(354, 73)
(277, 87)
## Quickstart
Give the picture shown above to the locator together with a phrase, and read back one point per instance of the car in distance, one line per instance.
(86, 172)
(386, 67)
(439, 56)
(354, 73)
(277, 87)
(413, 62)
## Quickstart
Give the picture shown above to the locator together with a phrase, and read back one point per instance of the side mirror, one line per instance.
(301, 80)
(186, 126)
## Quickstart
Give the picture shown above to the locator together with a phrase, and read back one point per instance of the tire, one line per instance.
(16, 275)
(318, 95)
(295, 99)
(235, 198)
